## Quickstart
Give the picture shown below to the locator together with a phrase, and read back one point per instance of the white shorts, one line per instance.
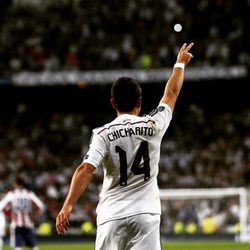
(139, 232)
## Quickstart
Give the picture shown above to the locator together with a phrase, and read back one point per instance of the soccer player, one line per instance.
(23, 205)
(128, 213)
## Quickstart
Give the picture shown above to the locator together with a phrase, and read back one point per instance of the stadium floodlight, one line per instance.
(215, 193)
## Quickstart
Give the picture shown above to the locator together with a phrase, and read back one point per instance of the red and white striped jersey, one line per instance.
(23, 204)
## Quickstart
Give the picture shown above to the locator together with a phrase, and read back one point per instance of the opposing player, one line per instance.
(128, 213)
(23, 205)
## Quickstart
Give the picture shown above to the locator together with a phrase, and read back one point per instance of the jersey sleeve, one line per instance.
(97, 150)
(162, 116)
(37, 202)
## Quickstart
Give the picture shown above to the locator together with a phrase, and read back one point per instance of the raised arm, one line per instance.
(175, 82)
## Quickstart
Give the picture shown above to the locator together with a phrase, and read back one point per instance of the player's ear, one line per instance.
(113, 103)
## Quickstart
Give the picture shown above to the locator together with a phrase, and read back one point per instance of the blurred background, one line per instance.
(58, 60)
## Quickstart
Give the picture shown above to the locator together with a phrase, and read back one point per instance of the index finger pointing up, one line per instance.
(189, 46)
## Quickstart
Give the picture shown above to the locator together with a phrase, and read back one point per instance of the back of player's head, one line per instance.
(125, 93)
(19, 181)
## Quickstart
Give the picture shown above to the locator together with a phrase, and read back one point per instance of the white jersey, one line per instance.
(129, 148)
(22, 203)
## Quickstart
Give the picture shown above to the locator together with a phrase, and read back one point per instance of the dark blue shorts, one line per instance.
(24, 236)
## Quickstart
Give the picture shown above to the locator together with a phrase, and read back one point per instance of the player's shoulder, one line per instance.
(117, 121)
(30, 192)
(162, 107)
(11, 192)
(102, 128)
(9, 195)
(124, 119)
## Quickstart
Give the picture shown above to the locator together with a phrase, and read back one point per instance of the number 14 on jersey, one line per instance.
(136, 169)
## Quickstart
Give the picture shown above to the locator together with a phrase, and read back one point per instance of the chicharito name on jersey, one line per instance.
(128, 132)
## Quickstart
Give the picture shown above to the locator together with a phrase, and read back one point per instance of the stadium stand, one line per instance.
(86, 35)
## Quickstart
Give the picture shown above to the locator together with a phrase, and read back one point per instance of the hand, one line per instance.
(184, 56)
(62, 220)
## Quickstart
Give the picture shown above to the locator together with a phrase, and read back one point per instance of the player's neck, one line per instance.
(135, 111)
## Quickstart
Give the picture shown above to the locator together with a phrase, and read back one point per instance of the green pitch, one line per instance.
(166, 246)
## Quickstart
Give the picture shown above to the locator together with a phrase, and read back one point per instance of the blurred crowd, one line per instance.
(46, 149)
(201, 216)
(50, 35)
(207, 151)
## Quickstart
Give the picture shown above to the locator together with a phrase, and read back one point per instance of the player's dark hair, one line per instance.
(20, 181)
(126, 92)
